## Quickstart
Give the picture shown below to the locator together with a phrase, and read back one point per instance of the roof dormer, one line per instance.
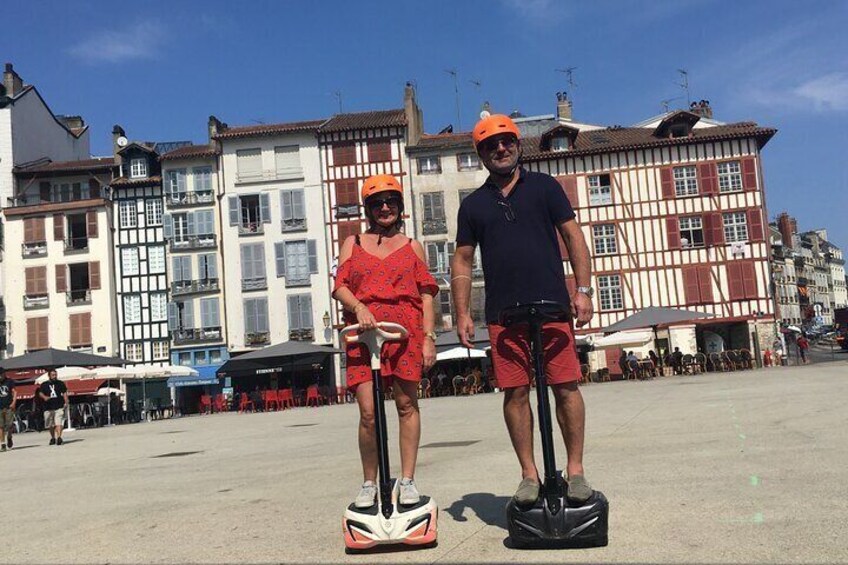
(677, 124)
(559, 138)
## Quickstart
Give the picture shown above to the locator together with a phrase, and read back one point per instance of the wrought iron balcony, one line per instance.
(294, 225)
(36, 301)
(78, 297)
(252, 339)
(186, 243)
(179, 288)
(433, 227)
(34, 249)
(301, 334)
(186, 199)
(252, 228)
(76, 244)
(185, 336)
(347, 210)
(254, 284)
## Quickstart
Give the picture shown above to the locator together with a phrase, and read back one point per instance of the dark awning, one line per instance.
(449, 340)
(54, 358)
(277, 358)
(652, 317)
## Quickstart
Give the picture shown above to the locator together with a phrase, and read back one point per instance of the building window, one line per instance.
(379, 151)
(600, 192)
(300, 312)
(135, 352)
(300, 261)
(249, 212)
(464, 193)
(215, 356)
(685, 181)
(559, 143)
(181, 231)
(434, 213)
(287, 161)
(210, 317)
(253, 266)
(185, 358)
(429, 165)
(138, 168)
(735, 226)
(691, 232)
(445, 302)
(129, 260)
(439, 254)
(729, 176)
(256, 320)
(202, 177)
(249, 164)
(132, 309)
(293, 210)
(344, 153)
(160, 350)
(609, 290)
(604, 237)
(153, 212)
(156, 259)
(127, 210)
(467, 161)
(158, 306)
(177, 185)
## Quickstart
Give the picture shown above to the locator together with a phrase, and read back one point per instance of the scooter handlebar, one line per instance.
(389, 331)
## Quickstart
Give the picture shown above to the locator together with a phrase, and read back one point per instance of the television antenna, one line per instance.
(569, 74)
(665, 103)
(684, 84)
(338, 95)
(454, 74)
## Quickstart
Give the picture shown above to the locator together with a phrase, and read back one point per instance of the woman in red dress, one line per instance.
(382, 277)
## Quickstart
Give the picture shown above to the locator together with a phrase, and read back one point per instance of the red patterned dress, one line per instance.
(391, 288)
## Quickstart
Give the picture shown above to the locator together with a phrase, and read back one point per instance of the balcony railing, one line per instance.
(299, 280)
(78, 297)
(81, 348)
(347, 211)
(294, 225)
(253, 228)
(36, 301)
(185, 199)
(185, 243)
(254, 284)
(184, 336)
(179, 288)
(257, 338)
(301, 334)
(432, 227)
(34, 249)
(76, 244)
(269, 175)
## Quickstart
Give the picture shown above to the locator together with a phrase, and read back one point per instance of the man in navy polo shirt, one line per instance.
(515, 218)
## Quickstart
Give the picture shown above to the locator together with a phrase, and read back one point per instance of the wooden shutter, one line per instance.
(286, 206)
(705, 284)
(346, 192)
(61, 278)
(39, 280)
(755, 225)
(690, 284)
(172, 316)
(280, 258)
(91, 217)
(58, 227)
(40, 234)
(33, 333)
(569, 186)
(734, 281)
(29, 230)
(298, 204)
(94, 275)
(265, 207)
(29, 276)
(667, 184)
(749, 279)
(714, 228)
(379, 151)
(749, 173)
(247, 262)
(708, 178)
(80, 329)
(74, 327)
(672, 228)
(44, 191)
(344, 153)
(235, 210)
(311, 249)
(167, 226)
(93, 188)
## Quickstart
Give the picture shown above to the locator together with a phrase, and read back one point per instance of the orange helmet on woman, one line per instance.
(380, 183)
(490, 126)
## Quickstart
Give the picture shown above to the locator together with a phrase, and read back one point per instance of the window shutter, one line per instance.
(428, 206)
(212, 266)
(286, 206)
(749, 173)
(708, 178)
(569, 186)
(265, 207)
(168, 226)
(280, 258)
(667, 183)
(755, 225)
(188, 314)
(734, 281)
(749, 279)
(432, 257)
(714, 228)
(259, 261)
(74, 323)
(672, 228)
(32, 333)
(235, 210)
(691, 287)
(306, 311)
(346, 192)
(44, 191)
(39, 280)
(172, 316)
(91, 217)
(347, 229)
(58, 227)
(29, 275)
(294, 313)
(204, 313)
(39, 230)
(93, 188)
(191, 224)
(29, 230)
(214, 313)
(43, 335)
(61, 278)
(313, 256)
(344, 153)
(705, 284)
(85, 328)
(94, 275)
(181, 181)
(298, 205)
(246, 262)
(262, 315)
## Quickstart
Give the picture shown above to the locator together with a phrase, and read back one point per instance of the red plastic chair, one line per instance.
(220, 403)
(286, 398)
(245, 403)
(205, 404)
(313, 396)
(272, 400)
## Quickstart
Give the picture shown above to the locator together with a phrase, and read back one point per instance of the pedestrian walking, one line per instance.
(8, 402)
(54, 393)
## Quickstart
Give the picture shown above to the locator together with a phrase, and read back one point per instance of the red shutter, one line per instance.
(569, 186)
(749, 174)
(94, 275)
(612, 361)
(29, 276)
(85, 329)
(714, 229)
(705, 284)
(690, 284)
(91, 217)
(74, 324)
(749, 279)
(344, 153)
(93, 188)
(734, 281)
(61, 278)
(39, 277)
(32, 334)
(43, 338)
(58, 227)
(708, 178)
(571, 285)
(667, 183)
(39, 229)
(672, 229)
(379, 151)
(755, 225)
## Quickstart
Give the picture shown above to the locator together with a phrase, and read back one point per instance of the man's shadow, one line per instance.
(489, 508)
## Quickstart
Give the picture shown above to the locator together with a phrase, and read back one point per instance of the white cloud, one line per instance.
(140, 41)
(827, 92)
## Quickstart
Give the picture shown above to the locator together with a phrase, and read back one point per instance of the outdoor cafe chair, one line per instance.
(746, 359)
(729, 360)
(715, 363)
(313, 396)
(272, 400)
(700, 363)
(633, 369)
(85, 414)
(471, 384)
(459, 385)
(324, 392)
(424, 388)
(286, 398)
(584, 374)
(688, 361)
(245, 403)
(205, 404)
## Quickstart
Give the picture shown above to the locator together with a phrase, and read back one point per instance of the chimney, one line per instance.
(12, 82)
(414, 115)
(787, 227)
(214, 126)
(564, 108)
(72, 122)
(117, 132)
(702, 109)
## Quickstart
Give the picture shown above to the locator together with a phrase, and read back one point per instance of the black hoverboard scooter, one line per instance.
(552, 521)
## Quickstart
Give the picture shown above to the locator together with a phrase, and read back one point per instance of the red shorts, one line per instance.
(511, 354)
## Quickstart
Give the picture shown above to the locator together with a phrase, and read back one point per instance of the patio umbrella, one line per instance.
(276, 358)
(460, 352)
(652, 317)
(634, 337)
(65, 374)
(54, 358)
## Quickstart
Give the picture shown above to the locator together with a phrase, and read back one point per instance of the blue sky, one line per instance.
(161, 68)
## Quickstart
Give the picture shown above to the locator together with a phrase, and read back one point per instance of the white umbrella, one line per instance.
(65, 374)
(794, 329)
(107, 390)
(460, 352)
(631, 337)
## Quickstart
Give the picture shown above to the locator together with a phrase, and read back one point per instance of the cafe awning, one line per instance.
(193, 381)
(277, 358)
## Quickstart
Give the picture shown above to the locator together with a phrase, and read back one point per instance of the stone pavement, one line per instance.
(745, 467)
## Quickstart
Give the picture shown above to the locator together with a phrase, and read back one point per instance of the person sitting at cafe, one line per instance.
(677, 361)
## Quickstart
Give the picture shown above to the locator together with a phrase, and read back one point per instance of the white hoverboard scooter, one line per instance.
(387, 521)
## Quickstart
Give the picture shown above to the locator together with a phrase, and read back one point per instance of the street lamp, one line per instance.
(326, 320)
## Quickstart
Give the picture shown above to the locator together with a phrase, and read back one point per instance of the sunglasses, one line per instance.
(509, 213)
(378, 203)
(491, 145)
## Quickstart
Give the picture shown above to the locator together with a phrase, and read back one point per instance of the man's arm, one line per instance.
(14, 398)
(581, 264)
(461, 263)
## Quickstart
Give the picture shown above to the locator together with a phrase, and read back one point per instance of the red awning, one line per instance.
(77, 387)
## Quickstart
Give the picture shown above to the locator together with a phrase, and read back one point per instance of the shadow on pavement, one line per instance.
(70, 441)
(489, 508)
(23, 447)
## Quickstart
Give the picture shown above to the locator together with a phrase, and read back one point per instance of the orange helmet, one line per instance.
(493, 125)
(380, 183)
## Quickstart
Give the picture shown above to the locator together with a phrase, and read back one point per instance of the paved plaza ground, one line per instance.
(744, 467)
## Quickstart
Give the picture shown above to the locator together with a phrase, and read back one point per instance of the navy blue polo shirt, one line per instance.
(518, 240)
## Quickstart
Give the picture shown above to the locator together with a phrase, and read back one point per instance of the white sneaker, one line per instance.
(408, 492)
(367, 496)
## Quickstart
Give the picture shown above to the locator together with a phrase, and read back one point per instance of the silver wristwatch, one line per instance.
(587, 290)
